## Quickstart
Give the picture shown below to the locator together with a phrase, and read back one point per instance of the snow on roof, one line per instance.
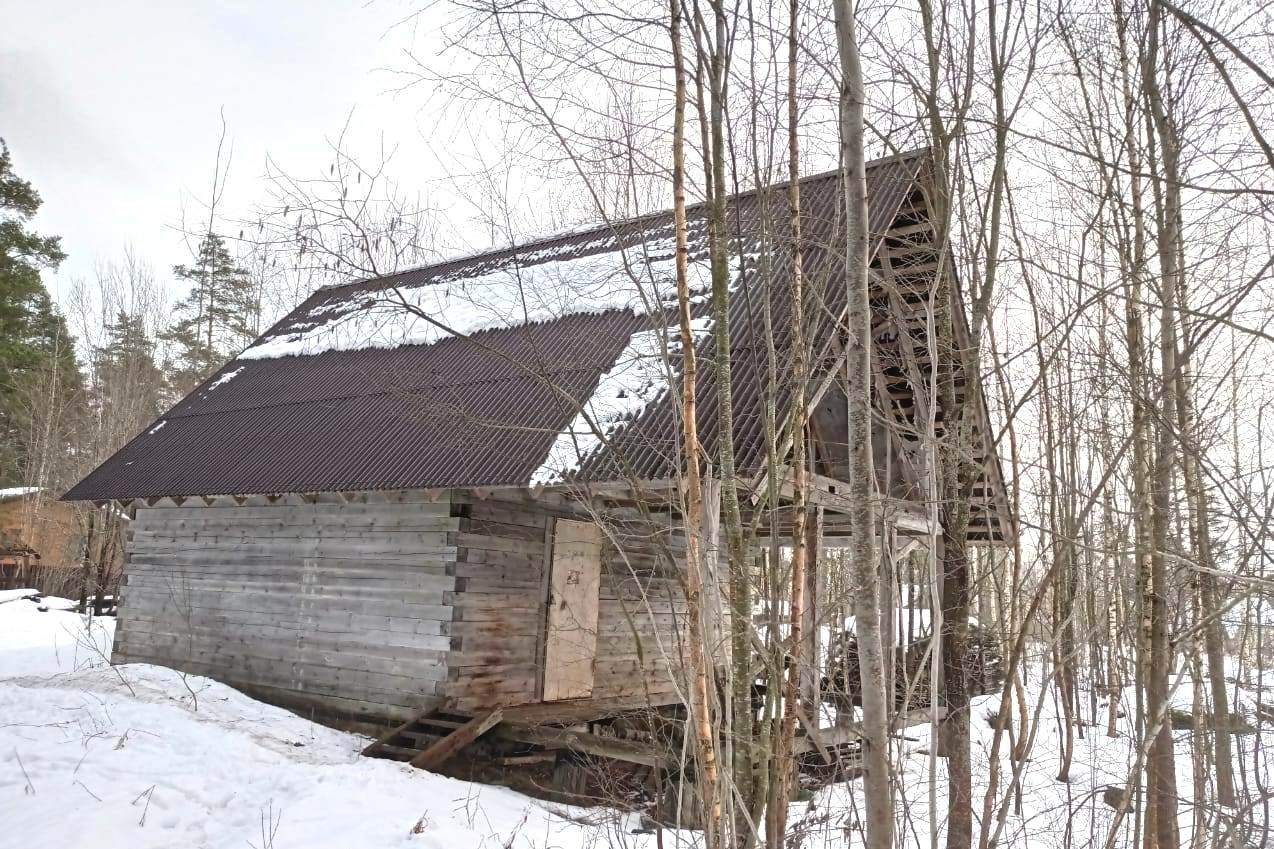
(224, 379)
(526, 288)
(640, 375)
(17, 492)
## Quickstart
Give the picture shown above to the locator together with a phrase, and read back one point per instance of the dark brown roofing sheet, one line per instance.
(650, 448)
(484, 410)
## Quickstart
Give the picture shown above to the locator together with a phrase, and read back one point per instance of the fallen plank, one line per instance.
(532, 758)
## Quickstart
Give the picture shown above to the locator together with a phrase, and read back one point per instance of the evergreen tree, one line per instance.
(37, 359)
(128, 383)
(217, 319)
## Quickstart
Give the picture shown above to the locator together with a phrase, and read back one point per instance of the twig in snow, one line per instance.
(85, 640)
(86, 790)
(80, 762)
(147, 793)
(29, 789)
(508, 844)
(269, 827)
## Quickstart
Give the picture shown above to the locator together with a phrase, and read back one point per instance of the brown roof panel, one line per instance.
(482, 410)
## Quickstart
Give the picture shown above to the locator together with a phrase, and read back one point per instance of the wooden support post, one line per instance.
(888, 608)
(716, 580)
(811, 674)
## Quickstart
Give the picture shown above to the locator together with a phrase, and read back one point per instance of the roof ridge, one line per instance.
(608, 228)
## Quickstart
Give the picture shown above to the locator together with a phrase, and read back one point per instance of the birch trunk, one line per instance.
(1209, 614)
(700, 670)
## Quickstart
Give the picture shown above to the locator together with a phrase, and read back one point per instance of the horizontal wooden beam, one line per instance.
(591, 744)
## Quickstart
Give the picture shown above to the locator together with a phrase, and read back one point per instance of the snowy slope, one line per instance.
(91, 755)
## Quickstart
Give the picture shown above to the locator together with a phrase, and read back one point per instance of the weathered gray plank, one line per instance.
(339, 604)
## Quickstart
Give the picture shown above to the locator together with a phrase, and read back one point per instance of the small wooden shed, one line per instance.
(456, 487)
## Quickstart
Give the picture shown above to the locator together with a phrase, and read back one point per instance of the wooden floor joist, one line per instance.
(574, 711)
(591, 744)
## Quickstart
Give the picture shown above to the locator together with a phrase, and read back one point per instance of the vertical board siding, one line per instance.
(570, 641)
(344, 607)
(500, 607)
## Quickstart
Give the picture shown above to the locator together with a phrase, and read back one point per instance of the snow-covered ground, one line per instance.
(136, 757)
(1065, 815)
(139, 756)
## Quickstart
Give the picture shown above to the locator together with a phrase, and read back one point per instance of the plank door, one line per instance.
(570, 643)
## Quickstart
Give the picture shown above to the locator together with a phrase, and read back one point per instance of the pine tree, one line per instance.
(128, 384)
(35, 345)
(217, 319)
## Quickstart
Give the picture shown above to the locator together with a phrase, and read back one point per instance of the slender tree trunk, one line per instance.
(799, 464)
(86, 574)
(106, 556)
(861, 467)
(1132, 262)
(700, 669)
(1161, 774)
(1209, 613)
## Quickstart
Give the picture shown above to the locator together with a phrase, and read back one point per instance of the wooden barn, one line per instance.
(454, 489)
(41, 541)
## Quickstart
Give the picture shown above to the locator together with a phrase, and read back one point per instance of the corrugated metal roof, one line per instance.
(484, 411)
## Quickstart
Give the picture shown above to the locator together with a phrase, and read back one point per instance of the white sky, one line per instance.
(112, 109)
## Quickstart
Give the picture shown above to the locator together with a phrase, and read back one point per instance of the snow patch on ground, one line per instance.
(138, 756)
(51, 641)
(1054, 814)
(17, 491)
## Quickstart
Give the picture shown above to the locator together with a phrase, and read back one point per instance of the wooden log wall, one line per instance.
(503, 552)
(499, 604)
(344, 608)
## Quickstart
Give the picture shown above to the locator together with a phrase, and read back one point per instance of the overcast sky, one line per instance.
(112, 109)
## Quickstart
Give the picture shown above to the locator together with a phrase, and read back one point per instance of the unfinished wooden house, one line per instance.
(454, 488)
